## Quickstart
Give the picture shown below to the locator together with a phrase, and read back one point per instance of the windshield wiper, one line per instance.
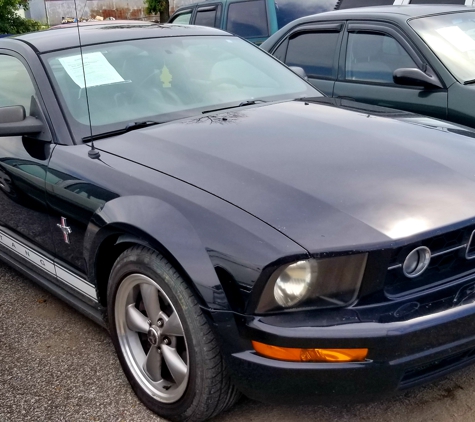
(128, 128)
(242, 104)
(471, 81)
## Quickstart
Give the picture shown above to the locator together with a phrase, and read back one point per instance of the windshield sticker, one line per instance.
(98, 70)
(166, 77)
(459, 39)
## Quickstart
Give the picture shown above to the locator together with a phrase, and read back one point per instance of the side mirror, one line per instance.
(13, 122)
(415, 77)
(299, 71)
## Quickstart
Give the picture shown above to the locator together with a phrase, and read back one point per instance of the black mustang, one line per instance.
(235, 230)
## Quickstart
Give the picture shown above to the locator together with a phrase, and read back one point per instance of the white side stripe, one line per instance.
(76, 282)
(49, 266)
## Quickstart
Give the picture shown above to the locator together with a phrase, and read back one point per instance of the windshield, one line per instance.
(164, 79)
(452, 38)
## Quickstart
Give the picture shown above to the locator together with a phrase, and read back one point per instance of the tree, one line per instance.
(154, 7)
(11, 22)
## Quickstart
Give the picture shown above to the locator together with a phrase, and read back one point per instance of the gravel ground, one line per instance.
(56, 365)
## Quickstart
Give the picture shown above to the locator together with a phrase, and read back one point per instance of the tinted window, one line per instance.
(207, 17)
(437, 2)
(314, 52)
(348, 4)
(289, 10)
(248, 19)
(16, 87)
(183, 18)
(374, 57)
(279, 53)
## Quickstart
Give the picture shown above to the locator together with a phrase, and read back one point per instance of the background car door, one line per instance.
(23, 164)
(372, 54)
(315, 48)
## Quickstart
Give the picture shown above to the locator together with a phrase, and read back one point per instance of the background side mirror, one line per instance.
(415, 77)
(13, 122)
(299, 71)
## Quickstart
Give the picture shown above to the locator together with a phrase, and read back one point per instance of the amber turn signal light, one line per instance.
(310, 355)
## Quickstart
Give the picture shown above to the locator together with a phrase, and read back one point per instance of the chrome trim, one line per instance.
(450, 250)
(421, 266)
(468, 247)
(465, 245)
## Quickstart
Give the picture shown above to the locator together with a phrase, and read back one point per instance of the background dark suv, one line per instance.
(256, 20)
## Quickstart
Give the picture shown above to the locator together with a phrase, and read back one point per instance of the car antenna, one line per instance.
(93, 152)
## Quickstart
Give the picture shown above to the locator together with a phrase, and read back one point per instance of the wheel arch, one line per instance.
(128, 221)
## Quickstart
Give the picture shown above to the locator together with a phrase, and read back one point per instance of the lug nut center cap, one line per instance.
(153, 336)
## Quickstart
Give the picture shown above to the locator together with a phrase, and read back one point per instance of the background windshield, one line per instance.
(452, 38)
(166, 78)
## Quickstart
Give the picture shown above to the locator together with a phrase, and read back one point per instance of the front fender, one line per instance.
(167, 227)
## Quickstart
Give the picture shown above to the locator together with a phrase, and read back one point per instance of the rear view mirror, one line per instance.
(13, 122)
(415, 77)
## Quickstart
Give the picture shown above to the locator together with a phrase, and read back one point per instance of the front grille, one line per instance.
(451, 255)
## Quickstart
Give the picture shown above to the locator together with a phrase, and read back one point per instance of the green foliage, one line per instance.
(10, 22)
(154, 7)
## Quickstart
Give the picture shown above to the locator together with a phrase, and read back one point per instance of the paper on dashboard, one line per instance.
(97, 69)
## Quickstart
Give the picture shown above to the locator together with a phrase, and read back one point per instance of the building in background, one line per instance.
(52, 12)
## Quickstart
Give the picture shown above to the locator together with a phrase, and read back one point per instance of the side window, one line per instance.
(16, 87)
(437, 2)
(314, 52)
(208, 16)
(248, 19)
(280, 51)
(349, 4)
(182, 18)
(374, 57)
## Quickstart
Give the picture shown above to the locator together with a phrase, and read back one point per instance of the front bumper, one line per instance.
(401, 355)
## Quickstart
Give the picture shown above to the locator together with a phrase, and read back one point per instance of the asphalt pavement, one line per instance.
(57, 365)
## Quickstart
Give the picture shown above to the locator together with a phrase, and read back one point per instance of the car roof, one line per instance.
(403, 12)
(44, 41)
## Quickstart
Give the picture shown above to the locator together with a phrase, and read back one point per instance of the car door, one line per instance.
(371, 53)
(25, 233)
(315, 48)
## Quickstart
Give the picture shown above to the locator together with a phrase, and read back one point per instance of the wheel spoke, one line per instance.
(175, 364)
(172, 326)
(136, 321)
(153, 364)
(150, 301)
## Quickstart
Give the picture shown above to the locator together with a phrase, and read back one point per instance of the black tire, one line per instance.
(209, 390)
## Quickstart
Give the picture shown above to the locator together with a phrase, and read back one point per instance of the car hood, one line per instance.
(327, 177)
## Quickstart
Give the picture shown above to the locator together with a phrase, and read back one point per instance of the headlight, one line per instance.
(293, 284)
(317, 283)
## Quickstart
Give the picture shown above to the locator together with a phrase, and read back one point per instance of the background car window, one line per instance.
(183, 18)
(208, 16)
(289, 10)
(16, 87)
(314, 52)
(348, 4)
(432, 2)
(374, 57)
(248, 19)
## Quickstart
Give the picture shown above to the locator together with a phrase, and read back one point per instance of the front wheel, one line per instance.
(164, 343)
